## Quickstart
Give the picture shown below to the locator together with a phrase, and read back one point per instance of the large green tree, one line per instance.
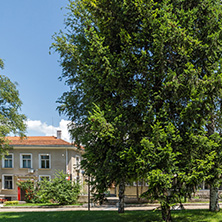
(11, 121)
(99, 70)
(188, 37)
(152, 69)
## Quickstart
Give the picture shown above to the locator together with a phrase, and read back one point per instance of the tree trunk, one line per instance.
(141, 189)
(137, 191)
(181, 206)
(166, 213)
(121, 197)
(214, 204)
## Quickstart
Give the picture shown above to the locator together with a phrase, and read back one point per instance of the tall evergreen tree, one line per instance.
(151, 68)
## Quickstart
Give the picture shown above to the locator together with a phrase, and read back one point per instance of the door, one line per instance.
(23, 195)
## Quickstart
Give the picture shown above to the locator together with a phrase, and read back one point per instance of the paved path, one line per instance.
(101, 208)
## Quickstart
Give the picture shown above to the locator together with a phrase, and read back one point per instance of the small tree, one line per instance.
(162, 166)
(159, 163)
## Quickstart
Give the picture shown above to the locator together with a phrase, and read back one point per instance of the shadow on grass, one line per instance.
(82, 216)
(111, 216)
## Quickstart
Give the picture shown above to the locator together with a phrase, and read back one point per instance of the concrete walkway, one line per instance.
(97, 208)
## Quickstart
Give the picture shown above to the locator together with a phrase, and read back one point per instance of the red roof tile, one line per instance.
(37, 141)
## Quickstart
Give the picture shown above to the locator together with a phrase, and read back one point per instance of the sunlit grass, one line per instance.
(110, 216)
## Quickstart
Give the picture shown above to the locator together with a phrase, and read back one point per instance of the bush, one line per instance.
(30, 190)
(15, 202)
(59, 190)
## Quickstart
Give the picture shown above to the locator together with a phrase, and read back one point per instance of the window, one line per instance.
(129, 184)
(43, 177)
(7, 182)
(26, 160)
(140, 183)
(204, 186)
(44, 161)
(7, 161)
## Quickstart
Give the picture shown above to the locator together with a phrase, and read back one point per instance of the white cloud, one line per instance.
(37, 128)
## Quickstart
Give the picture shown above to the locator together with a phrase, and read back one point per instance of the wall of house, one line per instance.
(131, 191)
(58, 160)
(74, 168)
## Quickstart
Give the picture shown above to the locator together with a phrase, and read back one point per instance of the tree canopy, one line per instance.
(145, 84)
(11, 121)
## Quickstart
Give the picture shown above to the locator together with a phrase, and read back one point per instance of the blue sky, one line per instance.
(26, 28)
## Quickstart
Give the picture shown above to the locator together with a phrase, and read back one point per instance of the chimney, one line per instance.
(59, 134)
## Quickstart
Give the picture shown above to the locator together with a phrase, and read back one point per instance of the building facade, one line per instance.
(36, 158)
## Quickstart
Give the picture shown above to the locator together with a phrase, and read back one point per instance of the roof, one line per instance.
(37, 141)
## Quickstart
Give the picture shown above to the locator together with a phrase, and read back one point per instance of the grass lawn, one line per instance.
(110, 216)
(37, 204)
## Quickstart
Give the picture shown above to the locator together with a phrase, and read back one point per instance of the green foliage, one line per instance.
(11, 121)
(14, 202)
(59, 190)
(100, 126)
(153, 69)
(1, 64)
(30, 190)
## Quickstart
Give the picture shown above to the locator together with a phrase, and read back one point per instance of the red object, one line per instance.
(19, 193)
(3, 200)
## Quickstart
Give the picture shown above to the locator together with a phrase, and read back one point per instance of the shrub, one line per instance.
(30, 190)
(59, 190)
(15, 202)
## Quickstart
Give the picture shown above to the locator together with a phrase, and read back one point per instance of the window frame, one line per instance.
(3, 161)
(3, 181)
(40, 161)
(21, 160)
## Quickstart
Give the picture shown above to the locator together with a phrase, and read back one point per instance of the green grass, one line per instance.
(111, 216)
